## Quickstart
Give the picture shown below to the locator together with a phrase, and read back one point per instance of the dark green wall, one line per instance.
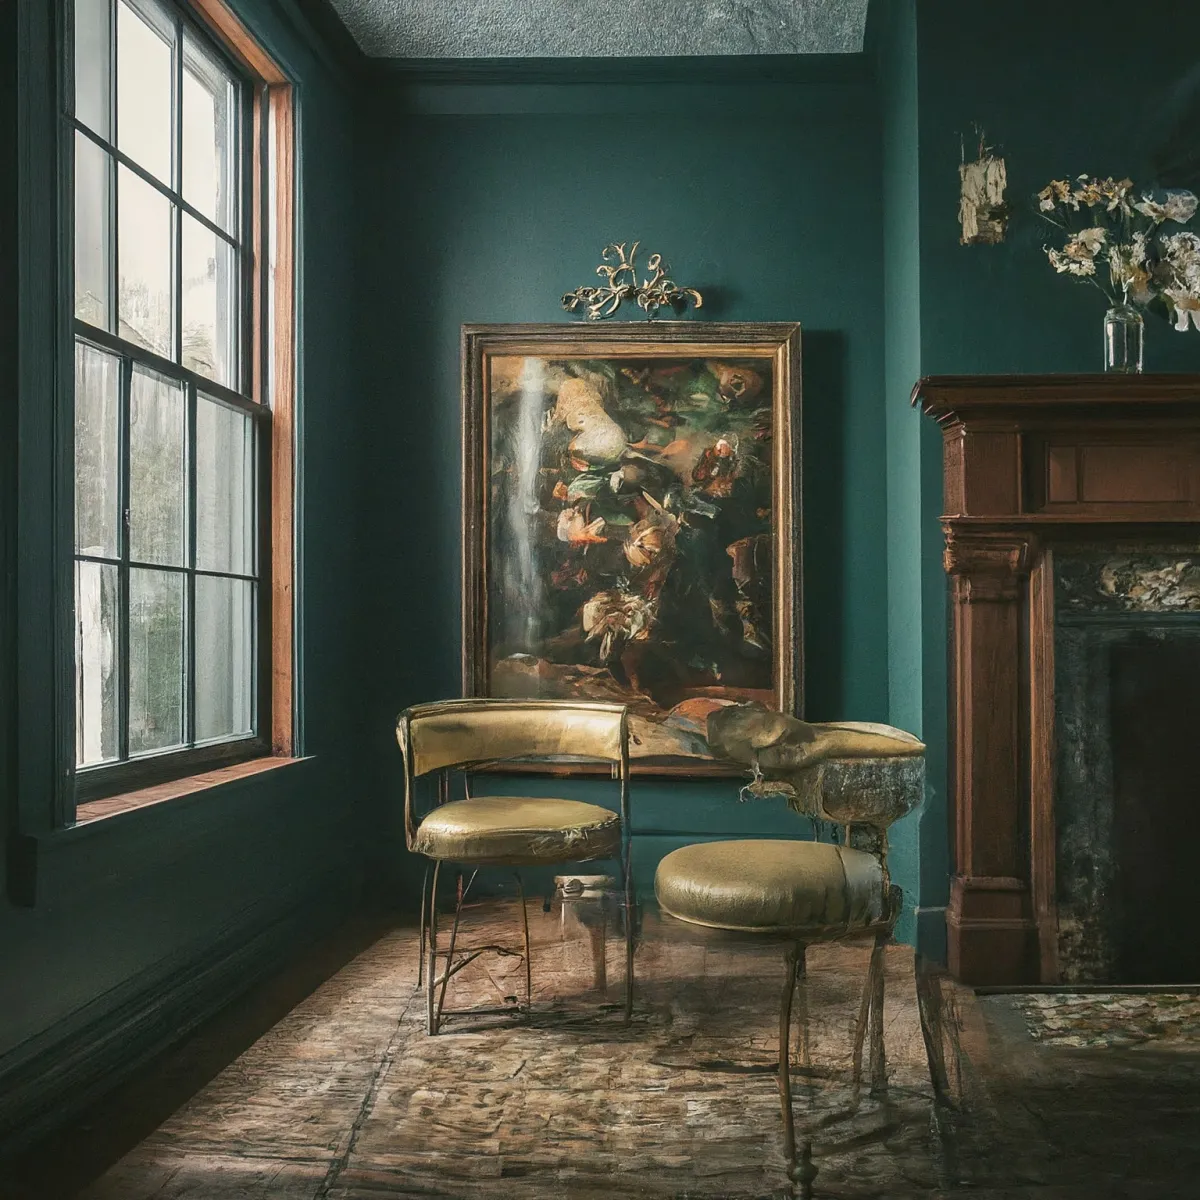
(143, 923)
(1061, 89)
(488, 200)
(922, 839)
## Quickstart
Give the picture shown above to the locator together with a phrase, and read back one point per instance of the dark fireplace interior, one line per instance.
(1155, 717)
(1127, 766)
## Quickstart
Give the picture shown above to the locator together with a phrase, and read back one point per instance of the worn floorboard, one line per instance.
(345, 1096)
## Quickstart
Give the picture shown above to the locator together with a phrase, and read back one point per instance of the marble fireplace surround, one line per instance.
(1039, 470)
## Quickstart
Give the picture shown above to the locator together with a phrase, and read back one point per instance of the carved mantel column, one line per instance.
(990, 918)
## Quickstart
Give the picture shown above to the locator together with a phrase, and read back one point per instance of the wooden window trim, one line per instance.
(159, 793)
(275, 99)
(227, 26)
(283, 440)
(134, 784)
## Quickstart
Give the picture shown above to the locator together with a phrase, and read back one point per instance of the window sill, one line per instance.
(39, 862)
(159, 793)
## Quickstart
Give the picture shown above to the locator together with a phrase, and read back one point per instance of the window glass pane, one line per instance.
(210, 127)
(224, 657)
(224, 489)
(156, 654)
(92, 96)
(97, 452)
(157, 470)
(145, 79)
(144, 220)
(96, 673)
(93, 232)
(210, 304)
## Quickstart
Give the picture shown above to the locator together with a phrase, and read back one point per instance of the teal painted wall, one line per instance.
(487, 201)
(138, 904)
(1062, 89)
(919, 842)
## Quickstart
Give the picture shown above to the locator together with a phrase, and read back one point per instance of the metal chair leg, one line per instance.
(458, 903)
(785, 1062)
(802, 1171)
(802, 999)
(525, 928)
(431, 961)
(630, 916)
(866, 1014)
(424, 902)
(878, 1062)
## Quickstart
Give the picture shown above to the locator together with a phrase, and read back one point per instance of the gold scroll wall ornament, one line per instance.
(620, 271)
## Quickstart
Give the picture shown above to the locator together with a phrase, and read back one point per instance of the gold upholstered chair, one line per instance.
(465, 736)
(858, 776)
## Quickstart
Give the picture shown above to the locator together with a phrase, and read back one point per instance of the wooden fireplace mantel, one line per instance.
(1031, 462)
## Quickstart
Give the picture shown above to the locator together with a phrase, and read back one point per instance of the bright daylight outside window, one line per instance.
(168, 439)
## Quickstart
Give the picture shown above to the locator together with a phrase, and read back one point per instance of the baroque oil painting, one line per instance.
(631, 524)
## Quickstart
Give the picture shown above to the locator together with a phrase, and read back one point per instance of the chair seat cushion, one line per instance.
(759, 886)
(518, 829)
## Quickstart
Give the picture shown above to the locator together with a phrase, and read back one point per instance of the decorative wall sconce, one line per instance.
(981, 207)
(619, 269)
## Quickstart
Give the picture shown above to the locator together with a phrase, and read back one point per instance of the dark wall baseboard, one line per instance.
(53, 1077)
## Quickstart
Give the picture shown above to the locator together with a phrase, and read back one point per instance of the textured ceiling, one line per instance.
(602, 28)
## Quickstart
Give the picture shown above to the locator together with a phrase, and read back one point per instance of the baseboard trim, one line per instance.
(54, 1076)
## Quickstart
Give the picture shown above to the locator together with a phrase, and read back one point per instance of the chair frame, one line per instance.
(868, 1029)
(868, 1033)
(467, 710)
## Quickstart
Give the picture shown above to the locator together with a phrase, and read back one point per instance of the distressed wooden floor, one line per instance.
(348, 1097)
(345, 1095)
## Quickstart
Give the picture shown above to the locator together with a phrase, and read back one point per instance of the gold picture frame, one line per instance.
(631, 522)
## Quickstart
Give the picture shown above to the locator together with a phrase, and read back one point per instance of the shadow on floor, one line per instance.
(62, 1164)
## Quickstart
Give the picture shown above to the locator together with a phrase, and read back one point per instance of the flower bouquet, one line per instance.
(1126, 246)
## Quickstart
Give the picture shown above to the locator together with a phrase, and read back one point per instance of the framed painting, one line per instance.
(631, 524)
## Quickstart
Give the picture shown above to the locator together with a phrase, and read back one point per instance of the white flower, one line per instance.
(1065, 264)
(1149, 207)
(1181, 206)
(1128, 269)
(1183, 251)
(1087, 240)
(1186, 307)
(1118, 196)
(1182, 288)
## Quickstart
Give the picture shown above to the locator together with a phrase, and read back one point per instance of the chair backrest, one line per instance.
(478, 732)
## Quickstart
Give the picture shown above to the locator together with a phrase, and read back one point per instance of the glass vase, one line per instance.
(1123, 340)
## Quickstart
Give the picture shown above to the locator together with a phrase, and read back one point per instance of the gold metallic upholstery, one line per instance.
(471, 733)
(455, 732)
(804, 890)
(519, 830)
(776, 743)
(469, 736)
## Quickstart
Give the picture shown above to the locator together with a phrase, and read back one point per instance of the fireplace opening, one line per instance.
(1127, 774)
(1155, 719)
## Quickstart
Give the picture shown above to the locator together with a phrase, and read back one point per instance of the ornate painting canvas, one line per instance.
(631, 527)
